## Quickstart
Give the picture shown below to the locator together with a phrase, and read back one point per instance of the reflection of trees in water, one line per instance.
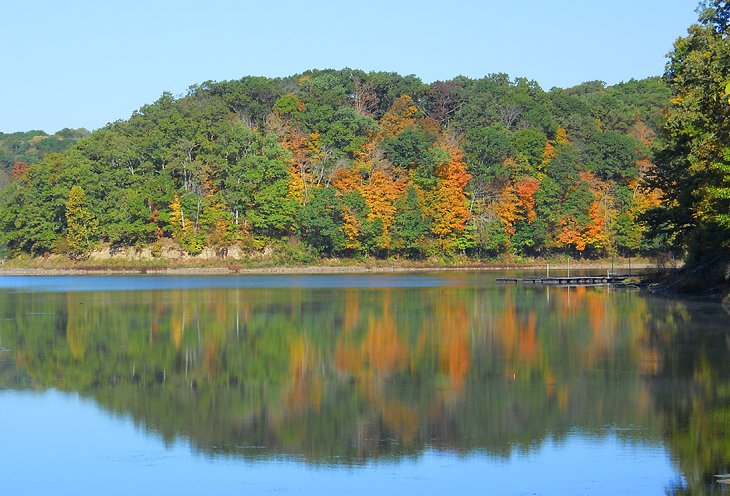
(691, 388)
(345, 375)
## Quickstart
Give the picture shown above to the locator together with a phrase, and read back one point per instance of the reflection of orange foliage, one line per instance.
(382, 349)
(449, 334)
(566, 301)
(352, 309)
(507, 325)
(518, 337)
(563, 398)
(347, 357)
(298, 357)
(402, 420)
(154, 329)
(603, 326)
(210, 354)
(456, 356)
(549, 379)
(649, 360)
(527, 340)
(220, 306)
(596, 312)
(379, 354)
(304, 389)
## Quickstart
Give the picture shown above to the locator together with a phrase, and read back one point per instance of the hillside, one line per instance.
(349, 164)
(17, 150)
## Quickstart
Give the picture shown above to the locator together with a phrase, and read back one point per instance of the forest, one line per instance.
(347, 163)
(22, 149)
(344, 163)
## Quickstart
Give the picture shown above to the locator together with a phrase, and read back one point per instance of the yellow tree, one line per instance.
(400, 115)
(381, 191)
(81, 224)
(177, 217)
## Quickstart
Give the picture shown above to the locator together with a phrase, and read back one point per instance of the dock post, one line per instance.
(548, 270)
(613, 258)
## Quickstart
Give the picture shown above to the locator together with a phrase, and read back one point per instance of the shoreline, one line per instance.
(308, 270)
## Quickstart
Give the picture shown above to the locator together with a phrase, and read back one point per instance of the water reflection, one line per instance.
(343, 375)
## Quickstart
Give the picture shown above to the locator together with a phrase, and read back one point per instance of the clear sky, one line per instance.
(83, 63)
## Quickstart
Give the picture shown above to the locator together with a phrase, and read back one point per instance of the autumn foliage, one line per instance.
(353, 164)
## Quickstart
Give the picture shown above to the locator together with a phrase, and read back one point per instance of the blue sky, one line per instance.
(81, 63)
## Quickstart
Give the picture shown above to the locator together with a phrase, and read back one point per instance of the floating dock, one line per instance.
(567, 280)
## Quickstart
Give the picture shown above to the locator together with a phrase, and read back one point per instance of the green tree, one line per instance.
(485, 149)
(565, 168)
(250, 98)
(256, 186)
(693, 161)
(530, 142)
(613, 156)
(320, 222)
(411, 225)
(410, 148)
(414, 149)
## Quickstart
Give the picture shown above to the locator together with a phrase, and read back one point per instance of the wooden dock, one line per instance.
(566, 280)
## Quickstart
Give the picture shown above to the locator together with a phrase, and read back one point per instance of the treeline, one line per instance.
(18, 150)
(693, 154)
(348, 163)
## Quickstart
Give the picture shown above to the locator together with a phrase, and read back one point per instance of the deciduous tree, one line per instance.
(81, 225)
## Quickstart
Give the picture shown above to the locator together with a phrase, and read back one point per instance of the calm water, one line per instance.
(371, 384)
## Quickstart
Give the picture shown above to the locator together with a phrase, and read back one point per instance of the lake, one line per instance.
(428, 383)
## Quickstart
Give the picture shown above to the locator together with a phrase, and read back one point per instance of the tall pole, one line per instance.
(613, 258)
